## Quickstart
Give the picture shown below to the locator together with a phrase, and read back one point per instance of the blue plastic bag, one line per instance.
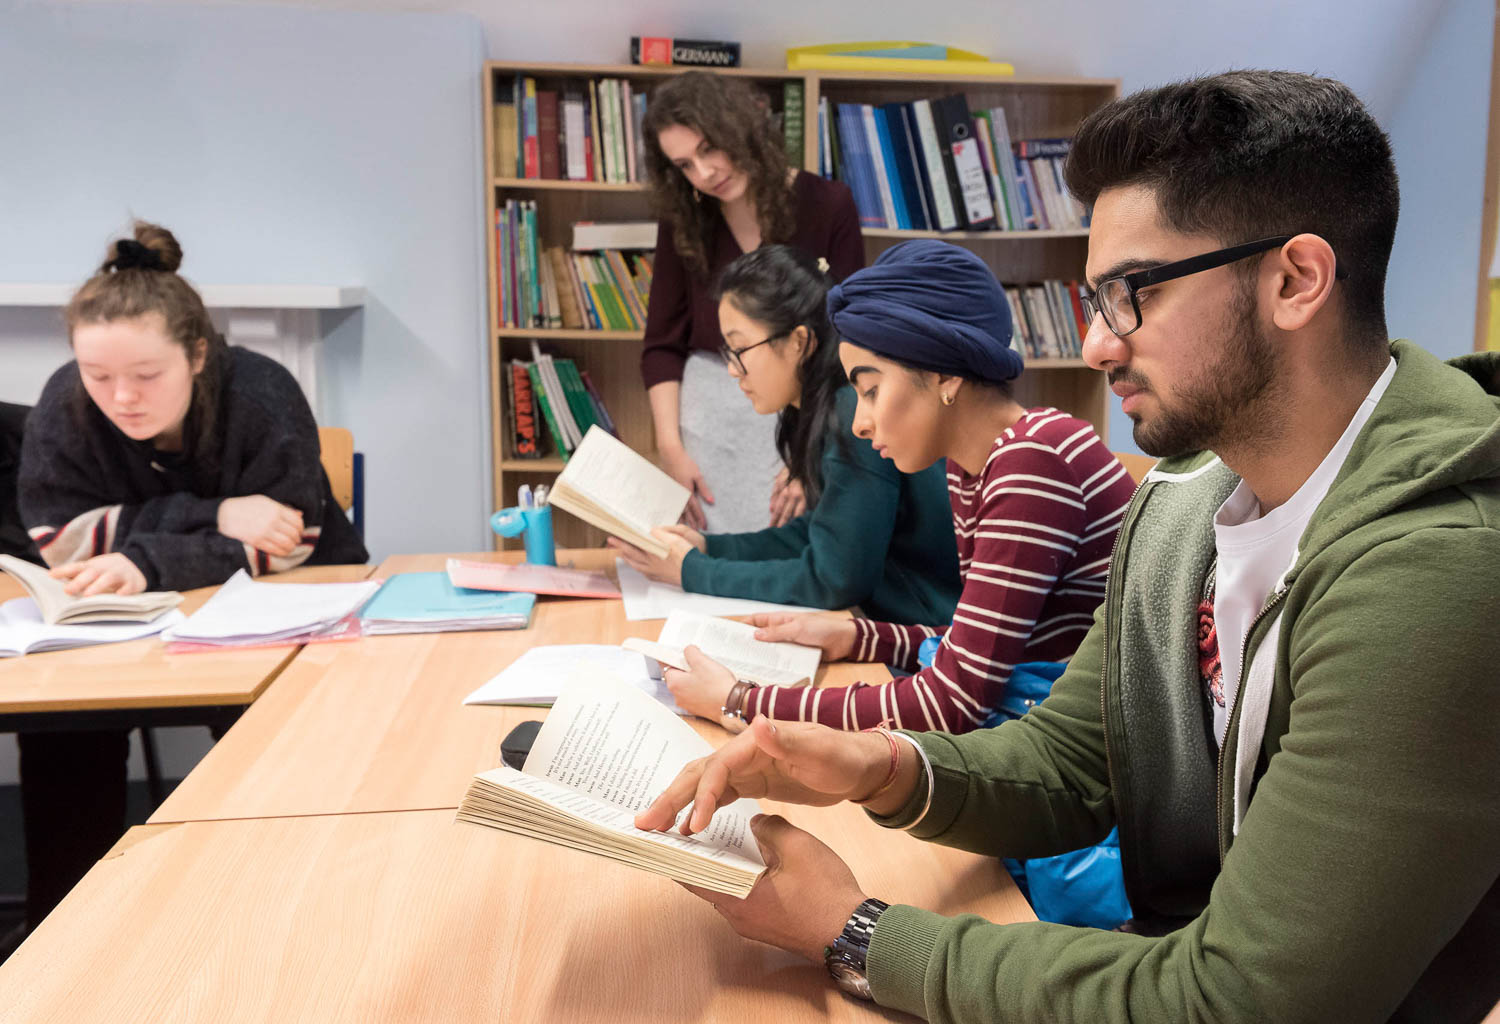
(1080, 887)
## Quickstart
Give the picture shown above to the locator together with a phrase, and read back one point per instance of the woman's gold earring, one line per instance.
(947, 398)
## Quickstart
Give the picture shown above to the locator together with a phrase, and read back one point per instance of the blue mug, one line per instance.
(536, 524)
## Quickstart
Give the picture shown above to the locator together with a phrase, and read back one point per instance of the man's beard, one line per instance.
(1218, 401)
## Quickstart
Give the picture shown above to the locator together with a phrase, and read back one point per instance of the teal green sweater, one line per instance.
(877, 538)
(1363, 883)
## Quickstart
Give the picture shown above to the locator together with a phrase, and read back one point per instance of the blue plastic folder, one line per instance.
(426, 602)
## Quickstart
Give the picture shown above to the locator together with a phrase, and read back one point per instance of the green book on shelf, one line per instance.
(579, 402)
(618, 319)
(793, 121)
(539, 390)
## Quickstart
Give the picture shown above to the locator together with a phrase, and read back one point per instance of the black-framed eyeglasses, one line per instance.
(1116, 297)
(733, 355)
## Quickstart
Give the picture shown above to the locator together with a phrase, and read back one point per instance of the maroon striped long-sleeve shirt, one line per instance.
(1035, 529)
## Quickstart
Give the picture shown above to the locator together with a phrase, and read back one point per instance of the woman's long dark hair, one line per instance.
(784, 289)
(730, 117)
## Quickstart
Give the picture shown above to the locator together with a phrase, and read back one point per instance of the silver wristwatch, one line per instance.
(845, 959)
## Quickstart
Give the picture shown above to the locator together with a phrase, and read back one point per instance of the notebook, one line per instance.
(24, 631)
(532, 579)
(245, 612)
(427, 602)
(57, 606)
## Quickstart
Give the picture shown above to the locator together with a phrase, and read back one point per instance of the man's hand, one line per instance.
(103, 574)
(261, 522)
(795, 762)
(802, 901)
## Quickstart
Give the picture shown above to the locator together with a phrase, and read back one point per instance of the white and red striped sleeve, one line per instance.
(1020, 524)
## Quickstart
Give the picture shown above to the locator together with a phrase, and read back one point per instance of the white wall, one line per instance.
(1439, 128)
(281, 146)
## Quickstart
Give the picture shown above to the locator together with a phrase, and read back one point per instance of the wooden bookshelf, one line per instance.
(1036, 107)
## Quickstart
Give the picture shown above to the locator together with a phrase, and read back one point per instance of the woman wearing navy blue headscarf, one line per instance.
(1037, 499)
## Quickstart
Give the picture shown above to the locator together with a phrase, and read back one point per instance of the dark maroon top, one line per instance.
(682, 315)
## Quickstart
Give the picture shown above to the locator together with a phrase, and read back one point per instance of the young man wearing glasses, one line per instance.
(1288, 703)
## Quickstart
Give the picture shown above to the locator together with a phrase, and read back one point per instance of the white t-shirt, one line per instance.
(1256, 550)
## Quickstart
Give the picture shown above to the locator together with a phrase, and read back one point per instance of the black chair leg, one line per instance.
(153, 767)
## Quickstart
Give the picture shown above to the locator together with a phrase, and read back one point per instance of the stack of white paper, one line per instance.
(245, 612)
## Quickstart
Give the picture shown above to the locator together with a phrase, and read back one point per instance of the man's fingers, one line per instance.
(103, 583)
(709, 796)
(67, 572)
(665, 808)
(771, 832)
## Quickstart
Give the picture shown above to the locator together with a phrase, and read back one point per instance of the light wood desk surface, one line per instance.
(140, 674)
(414, 917)
(379, 724)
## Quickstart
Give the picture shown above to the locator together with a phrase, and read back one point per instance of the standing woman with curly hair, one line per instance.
(722, 187)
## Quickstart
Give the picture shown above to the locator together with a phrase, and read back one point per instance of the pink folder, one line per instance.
(532, 579)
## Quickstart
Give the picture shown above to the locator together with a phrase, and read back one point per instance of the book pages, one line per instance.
(57, 606)
(618, 490)
(604, 753)
(733, 645)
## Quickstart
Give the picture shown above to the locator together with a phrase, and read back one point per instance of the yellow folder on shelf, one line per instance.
(883, 56)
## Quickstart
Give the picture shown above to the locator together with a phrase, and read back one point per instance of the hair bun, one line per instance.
(152, 248)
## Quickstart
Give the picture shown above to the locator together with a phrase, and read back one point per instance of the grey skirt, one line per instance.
(733, 445)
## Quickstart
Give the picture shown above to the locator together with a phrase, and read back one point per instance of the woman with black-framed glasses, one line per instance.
(872, 536)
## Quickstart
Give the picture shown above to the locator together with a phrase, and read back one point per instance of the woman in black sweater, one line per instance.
(159, 458)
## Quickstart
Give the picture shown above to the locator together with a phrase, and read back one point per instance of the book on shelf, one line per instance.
(589, 235)
(733, 645)
(521, 413)
(793, 120)
(665, 51)
(605, 751)
(57, 607)
(428, 602)
(608, 485)
(1048, 319)
(938, 164)
(550, 398)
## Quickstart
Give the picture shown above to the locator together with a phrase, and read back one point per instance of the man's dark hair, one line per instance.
(1251, 154)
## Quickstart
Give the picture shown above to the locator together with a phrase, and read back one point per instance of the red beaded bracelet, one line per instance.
(890, 777)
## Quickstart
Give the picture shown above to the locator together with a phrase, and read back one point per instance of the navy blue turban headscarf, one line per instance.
(932, 305)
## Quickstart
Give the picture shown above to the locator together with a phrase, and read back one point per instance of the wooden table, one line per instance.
(413, 917)
(380, 725)
(137, 682)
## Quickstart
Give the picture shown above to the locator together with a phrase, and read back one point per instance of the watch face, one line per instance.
(849, 979)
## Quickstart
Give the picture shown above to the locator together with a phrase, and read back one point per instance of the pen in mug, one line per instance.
(523, 496)
(541, 495)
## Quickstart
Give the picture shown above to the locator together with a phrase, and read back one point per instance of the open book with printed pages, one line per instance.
(605, 752)
(531, 579)
(23, 631)
(733, 645)
(608, 485)
(58, 607)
